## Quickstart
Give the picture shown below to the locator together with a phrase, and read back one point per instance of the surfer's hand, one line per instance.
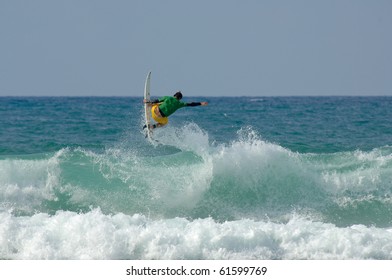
(204, 103)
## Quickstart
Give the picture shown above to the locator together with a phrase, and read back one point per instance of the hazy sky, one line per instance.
(202, 47)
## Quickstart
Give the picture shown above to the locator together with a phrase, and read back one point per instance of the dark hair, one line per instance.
(178, 95)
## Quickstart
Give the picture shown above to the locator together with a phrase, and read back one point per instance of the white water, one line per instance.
(68, 235)
(248, 199)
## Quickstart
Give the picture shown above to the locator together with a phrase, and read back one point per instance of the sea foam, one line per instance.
(246, 199)
(94, 235)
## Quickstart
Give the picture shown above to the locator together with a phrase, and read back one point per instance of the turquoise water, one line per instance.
(242, 178)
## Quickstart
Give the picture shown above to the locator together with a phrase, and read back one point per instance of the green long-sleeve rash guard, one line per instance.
(169, 104)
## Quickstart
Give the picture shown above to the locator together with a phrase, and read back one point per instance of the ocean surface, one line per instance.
(242, 178)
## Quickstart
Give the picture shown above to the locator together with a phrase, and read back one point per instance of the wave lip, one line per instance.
(26, 182)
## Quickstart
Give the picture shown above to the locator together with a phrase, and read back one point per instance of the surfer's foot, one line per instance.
(150, 126)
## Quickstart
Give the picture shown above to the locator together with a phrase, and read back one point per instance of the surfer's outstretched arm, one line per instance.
(193, 104)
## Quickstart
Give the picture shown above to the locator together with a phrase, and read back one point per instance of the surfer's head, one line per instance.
(178, 95)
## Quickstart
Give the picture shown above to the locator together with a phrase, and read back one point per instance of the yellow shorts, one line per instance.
(158, 119)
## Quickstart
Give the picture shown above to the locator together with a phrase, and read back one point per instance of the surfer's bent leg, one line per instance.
(160, 125)
(161, 121)
(152, 126)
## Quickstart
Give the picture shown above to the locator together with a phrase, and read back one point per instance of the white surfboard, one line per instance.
(147, 107)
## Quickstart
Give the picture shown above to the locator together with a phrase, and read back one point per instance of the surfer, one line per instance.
(162, 108)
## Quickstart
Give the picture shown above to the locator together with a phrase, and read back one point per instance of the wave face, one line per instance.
(190, 195)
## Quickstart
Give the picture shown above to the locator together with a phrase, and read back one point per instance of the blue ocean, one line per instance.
(281, 178)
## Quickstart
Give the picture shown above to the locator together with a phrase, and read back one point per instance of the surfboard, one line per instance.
(147, 107)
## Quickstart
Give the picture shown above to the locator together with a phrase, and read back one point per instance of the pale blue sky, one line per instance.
(203, 47)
